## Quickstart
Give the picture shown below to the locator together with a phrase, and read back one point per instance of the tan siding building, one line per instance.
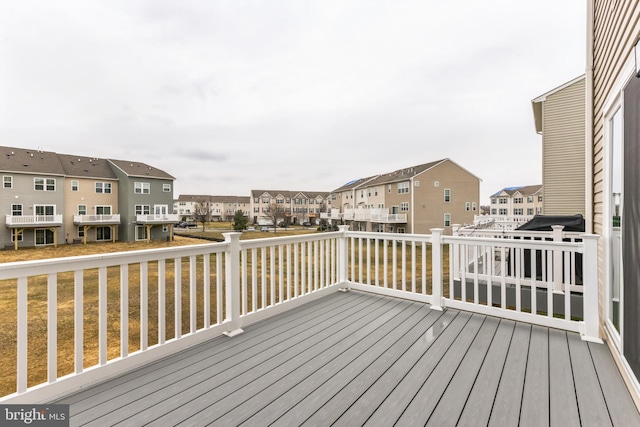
(560, 119)
(613, 96)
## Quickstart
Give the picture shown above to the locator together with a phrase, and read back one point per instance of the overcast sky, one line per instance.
(230, 96)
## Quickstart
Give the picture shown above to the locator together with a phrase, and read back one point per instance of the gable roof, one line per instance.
(525, 190)
(536, 103)
(86, 167)
(21, 160)
(139, 169)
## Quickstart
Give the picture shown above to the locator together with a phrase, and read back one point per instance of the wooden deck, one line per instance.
(358, 359)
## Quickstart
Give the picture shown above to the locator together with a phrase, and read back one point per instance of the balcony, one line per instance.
(255, 332)
(34, 221)
(158, 219)
(96, 219)
(374, 215)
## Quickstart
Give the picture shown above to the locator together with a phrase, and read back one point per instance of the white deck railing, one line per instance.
(96, 219)
(115, 312)
(18, 220)
(159, 219)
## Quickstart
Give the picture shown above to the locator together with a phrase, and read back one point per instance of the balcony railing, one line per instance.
(157, 219)
(33, 220)
(96, 219)
(123, 310)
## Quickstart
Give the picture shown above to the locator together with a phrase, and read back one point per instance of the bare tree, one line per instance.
(276, 212)
(201, 212)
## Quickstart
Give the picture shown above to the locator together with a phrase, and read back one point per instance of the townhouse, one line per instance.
(50, 198)
(438, 194)
(297, 207)
(145, 198)
(526, 200)
(559, 117)
(220, 208)
(32, 197)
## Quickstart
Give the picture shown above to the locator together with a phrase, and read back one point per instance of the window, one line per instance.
(280, 201)
(44, 184)
(494, 201)
(265, 200)
(44, 237)
(467, 206)
(502, 211)
(103, 187)
(75, 185)
(7, 181)
(45, 210)
(256, 200)
(539, 198)
(517, 211)
(141, 188)
(401, 230)
(143, 210)
(166, 188)
(20, 236)
(103, 210)
(16, 210)
(404, 207)
(503, 200)
(529, 199)
(103, 233)
(375, 191)
(447, 195)
(403, 187)
(474, 206)
(494, 211)
(389, 188)
(529, 211)
(517, 200)
(82, 209)
(80, 231)
(141, 232)
(447, 220)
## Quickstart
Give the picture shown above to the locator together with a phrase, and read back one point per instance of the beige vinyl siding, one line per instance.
(564, 150)
(616, 26)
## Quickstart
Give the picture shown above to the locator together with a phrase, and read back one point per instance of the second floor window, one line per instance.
(403, 187)
(75, 185)
(103, 210)
(7, 181)
(447, 220)
(141, 188)
(404, 207)
(447, 195)
(16, 210)
(166, 188)
(103, 187)
(44, 184)
(82, 209)
(517, 200)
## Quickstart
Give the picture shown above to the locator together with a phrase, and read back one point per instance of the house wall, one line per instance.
(86, 195)
(614, 29)
(430, 206)
(23, 193)
(563, 151)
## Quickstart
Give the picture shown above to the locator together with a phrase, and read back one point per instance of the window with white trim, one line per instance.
(467, 206)
(141, 188)
(16, 210)
(44, 184)
(403, 187)
(141, 232)
(75, 185)
(103, 233)
(166, 188)
(82, 209)
(143, 209)
(7, 181)
(447, 195)
(404, 207)
(447, 220)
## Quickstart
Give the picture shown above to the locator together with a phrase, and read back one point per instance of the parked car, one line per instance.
(251, 229)
(180, 224)
(264, 228)
(306, 224)
(282, 224)
(190, 225)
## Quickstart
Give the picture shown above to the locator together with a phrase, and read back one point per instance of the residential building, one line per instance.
(299, 206)
(559, 116)
(410, 200)
(90, 199)
(145, 197)
(518, 201)
(32, 197)
(221, 208)
(613, 150)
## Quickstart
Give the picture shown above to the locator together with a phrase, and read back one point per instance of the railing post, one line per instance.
(590, 308)
(436, 268)
(232, 284)
(343, 258)
(557, 260)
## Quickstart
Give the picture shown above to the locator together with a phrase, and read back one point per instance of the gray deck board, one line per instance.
(535, 396)
(355, 358)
